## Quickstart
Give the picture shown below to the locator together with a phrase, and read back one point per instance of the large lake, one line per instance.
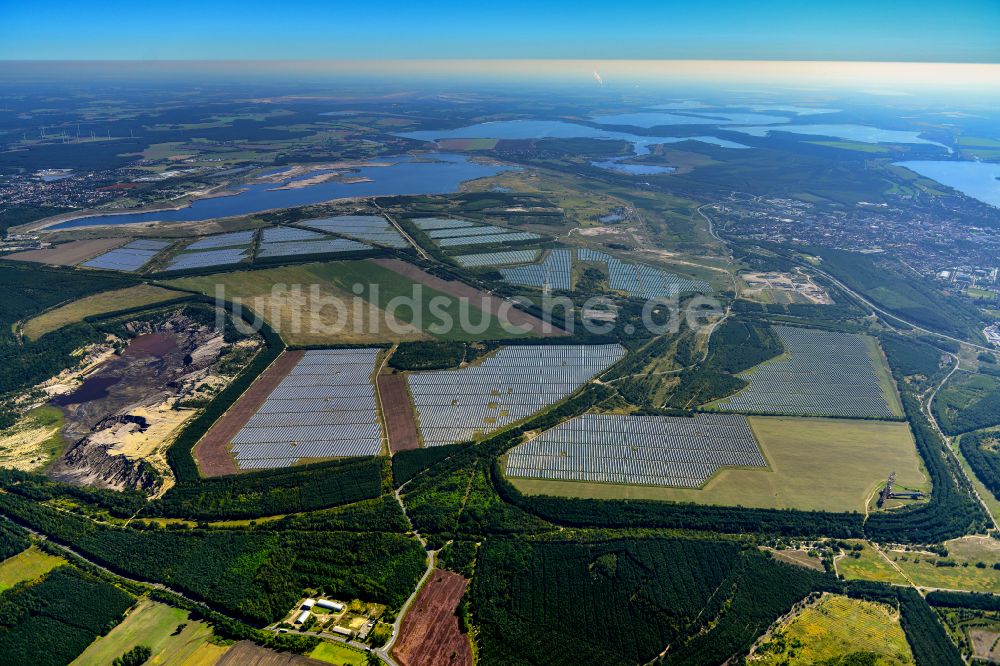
(439, 174)
(656, 119)
(860, 133)
(558, 129)
(979, 180)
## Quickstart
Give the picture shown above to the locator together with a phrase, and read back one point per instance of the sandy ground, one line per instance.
(23, 448)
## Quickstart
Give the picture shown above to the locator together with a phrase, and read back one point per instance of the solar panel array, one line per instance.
(638, 450)
(822, 373)
(488, 239)
(128, 258)
(428, 223)
(207, 258)
(510, 385)
(372, 228)
(497, 258)
(285, 234)
(324, 408)
(325, 246)
(147, 244)
(466, 231)
(234, 239)
(642, 280)
(553, 272)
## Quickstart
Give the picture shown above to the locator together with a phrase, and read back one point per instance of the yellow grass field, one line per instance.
(155, 625)
(814, 464)
(27, 565)
(924, 569)
(834, 627)
(108, 301)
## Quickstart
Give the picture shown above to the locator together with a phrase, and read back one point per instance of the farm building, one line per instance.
(330, 605)
(303, 616)
(308, 603)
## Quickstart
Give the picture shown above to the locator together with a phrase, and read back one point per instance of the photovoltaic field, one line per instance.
(497, 258)
(459, 233)
(207, 258)
(324, 245)
(234, 239)
(371, 228)
(513, 383)
(638, 450)
(642, 280)
(821, 373)
(324, 408)
(553, 272)
(128, 258)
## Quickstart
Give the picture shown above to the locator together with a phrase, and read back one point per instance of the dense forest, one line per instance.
(254, 575)
(982, 451)
(51, 622)
(622, 601)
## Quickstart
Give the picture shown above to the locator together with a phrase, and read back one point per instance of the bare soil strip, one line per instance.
(477, 298)
(246, 653)
(211, 452)
(429, 634)
(399, 420)
(69, 254)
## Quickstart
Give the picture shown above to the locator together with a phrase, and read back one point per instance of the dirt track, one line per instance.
(475, 297)
(210, 452)
(429, 634)
(399, 421)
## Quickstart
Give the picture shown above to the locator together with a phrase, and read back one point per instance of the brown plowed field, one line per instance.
(246, 653)
(429, 634)
(69, 254)
(477, 298)
(210, 452)
(399, 421)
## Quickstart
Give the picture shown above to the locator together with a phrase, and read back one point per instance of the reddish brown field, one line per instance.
(246, 653)
(429, 634)
(399, 420)
(211, 452)
(69, 254)
(476, 298)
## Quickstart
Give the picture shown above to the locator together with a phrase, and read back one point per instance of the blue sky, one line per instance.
(914, 30)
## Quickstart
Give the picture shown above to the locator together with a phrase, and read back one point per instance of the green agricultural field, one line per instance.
(835, 627)
(167, 631)
(109, 301)
(360, 317)
(814, 464)
(956, 571)
(341, 655)
(27, 565)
